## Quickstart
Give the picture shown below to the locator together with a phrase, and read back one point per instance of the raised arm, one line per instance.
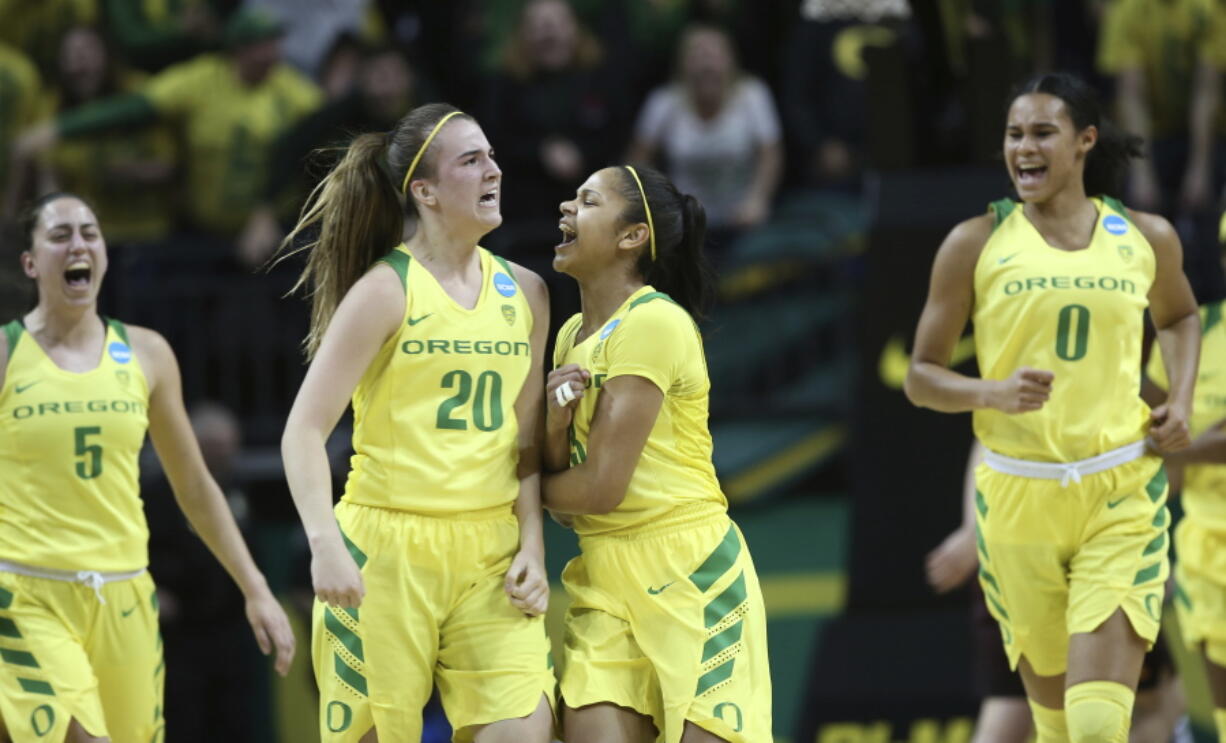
(200, 498)
(365, 319)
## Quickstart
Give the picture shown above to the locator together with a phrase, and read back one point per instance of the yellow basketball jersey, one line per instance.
(435, 430)
(1078, 314)
(1204, 485)
(649, 336)
(69, 442)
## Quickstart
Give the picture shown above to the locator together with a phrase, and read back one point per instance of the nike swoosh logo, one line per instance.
(23, 387)
(414, 320)
(654, 591)
(1114, 503)
(894, 362)
(129, 611)
(1006, 259)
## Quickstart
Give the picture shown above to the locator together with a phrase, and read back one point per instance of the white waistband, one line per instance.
(1066, 472)
(91, 578)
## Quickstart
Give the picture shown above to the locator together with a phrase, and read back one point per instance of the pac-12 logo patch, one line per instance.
(1115, 224)
(504, 284)
(120, 352)
(1126, 252)
(508, 313)
(608, 329)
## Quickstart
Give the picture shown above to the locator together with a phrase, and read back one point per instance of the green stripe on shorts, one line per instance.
(1157, 485)
(1147, 574)
(347, 636)
(8, 628)
(18, 658)
(991, 579)
(36, 687)
(723, 604)
(6, 599)
(350, 676)
(715, 676)
(1160, 518)
(1155, 546)
(720, 561)
(722, 641)
(358, 555)
(1003, 614)
(1182, 596)
(981, 503)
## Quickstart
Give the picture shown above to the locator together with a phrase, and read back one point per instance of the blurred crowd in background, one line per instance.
(190, 125)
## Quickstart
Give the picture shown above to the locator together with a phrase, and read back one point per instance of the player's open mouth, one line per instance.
(78, 274)
(1030, 175)
(489, 198)
(568, 235)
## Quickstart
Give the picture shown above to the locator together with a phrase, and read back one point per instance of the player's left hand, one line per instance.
(271, 628)
(526, 584)
(1168, 428)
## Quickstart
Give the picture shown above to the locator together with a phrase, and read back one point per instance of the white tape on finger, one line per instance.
(564, 394)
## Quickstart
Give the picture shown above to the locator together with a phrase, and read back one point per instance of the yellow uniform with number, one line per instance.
(427, 516)
(1058, 559)
(666, 614)
(1200, 538)
(69, 502)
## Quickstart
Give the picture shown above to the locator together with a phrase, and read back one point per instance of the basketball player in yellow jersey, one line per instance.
(80, 652)
(1200, 538)
(1071, 498)
(666, 633)
(435, 575)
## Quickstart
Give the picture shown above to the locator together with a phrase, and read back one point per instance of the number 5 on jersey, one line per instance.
(89, 465)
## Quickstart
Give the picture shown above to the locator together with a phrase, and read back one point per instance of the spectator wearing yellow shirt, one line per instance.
(228, 110)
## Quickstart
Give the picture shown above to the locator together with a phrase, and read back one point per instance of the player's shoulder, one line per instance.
(657, 311)
(1156, 228)
(147, 343)
(531, 281)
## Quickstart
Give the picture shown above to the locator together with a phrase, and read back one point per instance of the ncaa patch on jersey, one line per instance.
(608, 329)
(508, 313)
(120, 352)
(504, 284)
(1115, 224)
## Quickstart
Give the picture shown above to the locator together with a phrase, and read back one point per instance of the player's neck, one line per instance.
(600, 298)
(1068, 206)
(444, 253)
(63, 326)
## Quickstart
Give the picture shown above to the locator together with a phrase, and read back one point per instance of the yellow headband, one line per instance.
(404, 187)
(651, 228)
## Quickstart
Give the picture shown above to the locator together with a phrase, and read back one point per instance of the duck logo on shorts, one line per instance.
(504, 284)
(120, 352)
(1153, 605)
(508, 313)
(1115, 224)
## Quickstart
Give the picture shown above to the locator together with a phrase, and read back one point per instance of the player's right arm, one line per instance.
(368, 315)
(4, 357)
(951, 297)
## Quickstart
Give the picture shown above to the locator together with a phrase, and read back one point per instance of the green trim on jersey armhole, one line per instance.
(120, 329)
(1213, 316)
(1118, 205)
(1001, 209)
(399, 261)
(12, 333)
(648, 297)
(507, 266)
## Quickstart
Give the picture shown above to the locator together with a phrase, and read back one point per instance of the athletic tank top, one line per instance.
(69, 444)
(1078, 314)
(649, 336)
(435, 430)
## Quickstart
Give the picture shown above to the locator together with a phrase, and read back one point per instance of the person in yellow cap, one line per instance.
(430, 571)
(80, 651)
(666, 632)
(1070, 503)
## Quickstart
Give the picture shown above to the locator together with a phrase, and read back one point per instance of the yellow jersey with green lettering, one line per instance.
(435, 431)
(649, 336)
(69, 442)
(1078, 314)
(1204, 485)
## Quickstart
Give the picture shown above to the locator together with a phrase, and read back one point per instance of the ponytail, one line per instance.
(356, 211)
(1107, 163)
(357, 217)
(679, 268)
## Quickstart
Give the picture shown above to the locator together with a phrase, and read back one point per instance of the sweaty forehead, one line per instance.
(65, 211)
(1033, 108)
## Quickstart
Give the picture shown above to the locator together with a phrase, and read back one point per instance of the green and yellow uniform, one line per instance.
(228, 129)
(1166, 40)
(666, 615)
(1200, 538)
(92, 166)
(427, 515)
(38, 28)
(84, 645)
(1059, 556)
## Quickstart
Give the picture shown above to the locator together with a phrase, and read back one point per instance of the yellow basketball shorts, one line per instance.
(1056, 561)
(670, 623)
(66, 655)
(435, 612)
(1200, 588)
